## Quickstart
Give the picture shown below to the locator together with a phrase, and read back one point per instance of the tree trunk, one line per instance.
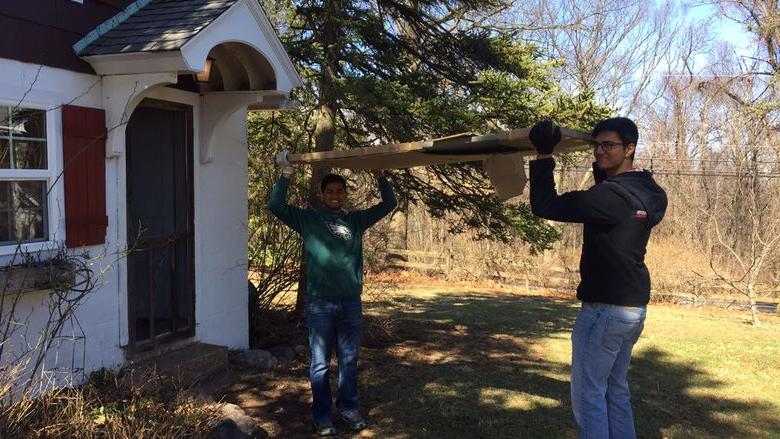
(753, 306)
(325, 131)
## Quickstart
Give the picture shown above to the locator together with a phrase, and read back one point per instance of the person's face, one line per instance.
(610, 152)
(334, 195)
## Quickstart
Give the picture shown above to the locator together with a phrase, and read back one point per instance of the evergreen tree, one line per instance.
(385, 71)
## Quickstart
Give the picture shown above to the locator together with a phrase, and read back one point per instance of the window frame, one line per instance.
(53, 213)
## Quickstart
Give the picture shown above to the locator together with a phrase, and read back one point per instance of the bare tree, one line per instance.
(708, 132)
(761, 20)
(611, 47)
(746, 225)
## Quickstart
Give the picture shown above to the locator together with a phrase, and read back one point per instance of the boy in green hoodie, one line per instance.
(333, 243)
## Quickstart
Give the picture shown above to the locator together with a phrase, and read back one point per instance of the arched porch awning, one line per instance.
(225, 50)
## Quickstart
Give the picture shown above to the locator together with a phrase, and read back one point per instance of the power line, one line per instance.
(711, 146)
(715, 174)
(700, 161)
(674, 172)
(713, 143)
(697, 160)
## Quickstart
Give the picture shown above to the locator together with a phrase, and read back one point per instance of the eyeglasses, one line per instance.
(606, 146)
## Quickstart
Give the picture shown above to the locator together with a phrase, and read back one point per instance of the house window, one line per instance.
(24, 175)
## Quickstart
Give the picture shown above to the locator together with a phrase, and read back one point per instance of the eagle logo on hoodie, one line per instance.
(340, 231)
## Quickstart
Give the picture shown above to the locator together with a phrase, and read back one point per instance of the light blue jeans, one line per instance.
(602, 340)
(333, 324)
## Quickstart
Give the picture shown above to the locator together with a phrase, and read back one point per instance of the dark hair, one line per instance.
(332, 178)
(623, 126)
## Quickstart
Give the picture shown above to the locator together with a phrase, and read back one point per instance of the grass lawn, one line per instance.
(466, 363)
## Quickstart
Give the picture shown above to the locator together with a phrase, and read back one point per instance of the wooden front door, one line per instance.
(161, 272)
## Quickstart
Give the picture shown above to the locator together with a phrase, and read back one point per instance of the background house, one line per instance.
(110, 145)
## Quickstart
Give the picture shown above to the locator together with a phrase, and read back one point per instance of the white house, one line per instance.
(124, 128)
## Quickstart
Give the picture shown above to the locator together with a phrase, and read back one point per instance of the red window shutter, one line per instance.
(84, 158)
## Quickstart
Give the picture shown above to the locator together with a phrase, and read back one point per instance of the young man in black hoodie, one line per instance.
(618, 213)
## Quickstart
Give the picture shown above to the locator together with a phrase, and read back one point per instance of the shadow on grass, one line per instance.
(478, 366)
(669, 399)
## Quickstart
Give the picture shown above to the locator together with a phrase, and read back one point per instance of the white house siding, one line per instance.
(220, 228)
(98, 317)
(221, 214)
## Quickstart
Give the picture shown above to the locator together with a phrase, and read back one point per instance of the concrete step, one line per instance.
(188, 364)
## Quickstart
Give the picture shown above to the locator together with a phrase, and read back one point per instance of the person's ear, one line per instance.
(629, 150)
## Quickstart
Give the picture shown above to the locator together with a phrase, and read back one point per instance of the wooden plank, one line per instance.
(521, 268)
(571, 140)
(417, 265)
(453, 149)
(415, 253)
(391, 148)
(536, 278)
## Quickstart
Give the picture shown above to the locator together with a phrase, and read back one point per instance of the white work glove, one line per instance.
(284, 163)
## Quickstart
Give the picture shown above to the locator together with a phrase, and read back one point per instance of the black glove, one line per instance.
(598, 174)
(545, 135)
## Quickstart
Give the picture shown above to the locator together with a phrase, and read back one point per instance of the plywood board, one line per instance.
(460, 148)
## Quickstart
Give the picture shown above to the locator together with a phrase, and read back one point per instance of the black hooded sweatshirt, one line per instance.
(618, 214)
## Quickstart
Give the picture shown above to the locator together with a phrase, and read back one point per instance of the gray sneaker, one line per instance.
(354, 420)
(324, 429)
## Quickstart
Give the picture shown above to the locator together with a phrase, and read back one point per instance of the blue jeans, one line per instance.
(602, 340)
(333, 323)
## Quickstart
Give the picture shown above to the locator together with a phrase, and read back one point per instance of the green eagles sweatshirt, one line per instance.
(333, 241)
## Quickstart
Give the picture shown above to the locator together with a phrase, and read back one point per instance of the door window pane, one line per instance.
(141, 285)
